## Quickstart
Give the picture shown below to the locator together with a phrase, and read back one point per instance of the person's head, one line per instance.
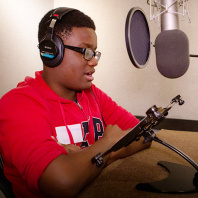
(63, 28)
(75, 70)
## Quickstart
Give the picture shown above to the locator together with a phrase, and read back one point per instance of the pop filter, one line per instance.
(137, 37)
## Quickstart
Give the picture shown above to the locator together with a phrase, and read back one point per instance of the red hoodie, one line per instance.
(32, 113)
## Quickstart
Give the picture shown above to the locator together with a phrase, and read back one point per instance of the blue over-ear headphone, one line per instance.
(51, 46)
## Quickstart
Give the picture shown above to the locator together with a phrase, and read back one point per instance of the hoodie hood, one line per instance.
(44, 90)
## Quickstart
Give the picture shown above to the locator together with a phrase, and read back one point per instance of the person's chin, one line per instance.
(84, 87)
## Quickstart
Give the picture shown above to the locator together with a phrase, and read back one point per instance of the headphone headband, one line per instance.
(60, 12)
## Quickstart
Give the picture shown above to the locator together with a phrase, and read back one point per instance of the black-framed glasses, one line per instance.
(87, 52)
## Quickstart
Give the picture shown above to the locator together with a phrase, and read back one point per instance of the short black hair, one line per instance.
(64, 27)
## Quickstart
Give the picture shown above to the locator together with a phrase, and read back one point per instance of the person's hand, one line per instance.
(114, 133)
(68, 147)
(71, 148)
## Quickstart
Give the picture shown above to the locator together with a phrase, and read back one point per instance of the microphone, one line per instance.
(172, 44)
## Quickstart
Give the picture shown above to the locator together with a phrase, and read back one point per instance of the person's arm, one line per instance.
(131, 149)
(68, 174)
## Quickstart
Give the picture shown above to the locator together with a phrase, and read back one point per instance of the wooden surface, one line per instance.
(119, 180)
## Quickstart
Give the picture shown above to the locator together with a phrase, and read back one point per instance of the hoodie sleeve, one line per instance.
(25, 137)
(113, 113)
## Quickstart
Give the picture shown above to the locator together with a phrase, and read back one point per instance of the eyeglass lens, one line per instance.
(88, 54)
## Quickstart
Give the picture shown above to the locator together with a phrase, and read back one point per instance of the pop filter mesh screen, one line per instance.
(137, 37)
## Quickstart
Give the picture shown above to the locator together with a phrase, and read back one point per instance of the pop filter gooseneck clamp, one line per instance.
(193, 55)
(182, 179)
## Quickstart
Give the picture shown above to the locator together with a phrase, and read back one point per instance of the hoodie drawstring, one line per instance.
(69, 132)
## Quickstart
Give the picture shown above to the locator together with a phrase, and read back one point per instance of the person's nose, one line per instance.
(93, 62)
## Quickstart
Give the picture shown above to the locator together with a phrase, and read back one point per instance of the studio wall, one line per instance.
(19, 55)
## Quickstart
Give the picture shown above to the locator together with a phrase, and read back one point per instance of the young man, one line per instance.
(51, 126)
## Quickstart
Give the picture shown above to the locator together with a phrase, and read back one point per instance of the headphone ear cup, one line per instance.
(60, 46)
(58, 51)
(51, 46)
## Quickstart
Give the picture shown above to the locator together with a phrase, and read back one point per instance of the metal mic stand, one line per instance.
(182, 179)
